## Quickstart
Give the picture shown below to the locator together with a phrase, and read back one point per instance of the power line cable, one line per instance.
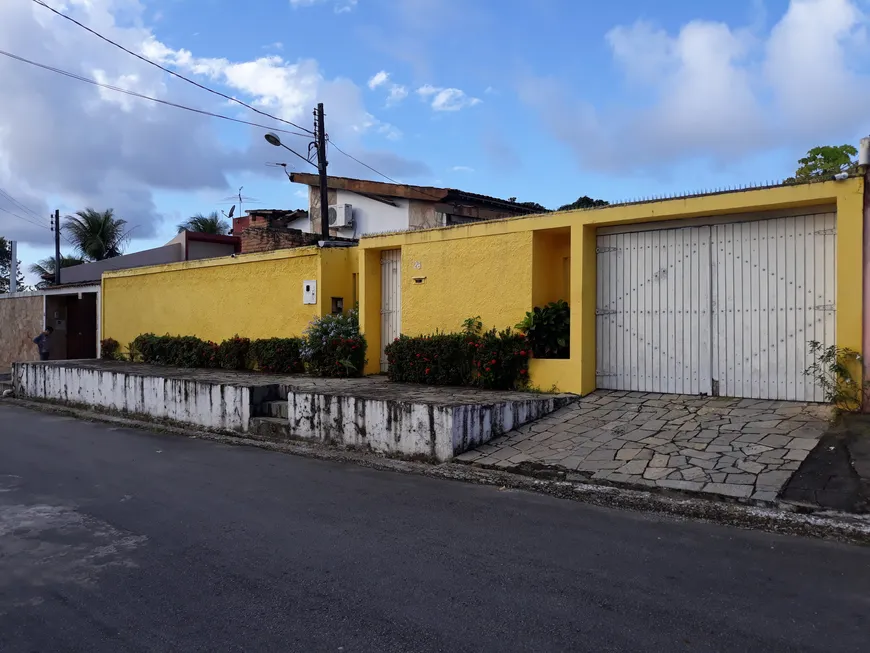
(80, 78)
(210, 90)
(20, 217)
(19, 205)
(377, 172)
(205, 88)
(190, 81)
(418, 189)
(168, 70)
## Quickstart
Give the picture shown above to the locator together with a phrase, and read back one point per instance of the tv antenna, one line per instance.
(239, 199)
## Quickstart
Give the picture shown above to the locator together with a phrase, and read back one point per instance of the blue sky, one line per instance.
(544, 101)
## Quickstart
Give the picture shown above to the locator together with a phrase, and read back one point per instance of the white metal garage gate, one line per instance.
(726, 309)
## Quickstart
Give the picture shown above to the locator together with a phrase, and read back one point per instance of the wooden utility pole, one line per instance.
(56, 247)
(864, 167)
(321, 168)
(13, 267)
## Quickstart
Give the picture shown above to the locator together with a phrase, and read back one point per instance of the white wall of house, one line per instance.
(302, 224)
(372, 216)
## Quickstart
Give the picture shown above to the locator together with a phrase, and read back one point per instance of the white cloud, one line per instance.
(78, 145)
(290, 89)
(461, 169)
(397, 94)
(130, 146)
(720, 92)
(378, 79)
(446, 99)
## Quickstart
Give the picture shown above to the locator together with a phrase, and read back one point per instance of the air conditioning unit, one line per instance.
(341, 215)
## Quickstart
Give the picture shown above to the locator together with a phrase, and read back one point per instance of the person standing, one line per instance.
(42, 343)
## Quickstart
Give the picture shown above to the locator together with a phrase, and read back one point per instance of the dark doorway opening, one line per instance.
(82, 326)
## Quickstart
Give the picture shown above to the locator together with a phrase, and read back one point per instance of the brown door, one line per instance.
(82, 326)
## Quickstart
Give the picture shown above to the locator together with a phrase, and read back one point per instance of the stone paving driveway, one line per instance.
(734, 447)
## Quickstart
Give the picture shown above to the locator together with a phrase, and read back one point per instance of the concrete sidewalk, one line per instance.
(741, 448)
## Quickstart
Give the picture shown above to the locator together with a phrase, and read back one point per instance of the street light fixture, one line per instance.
(273, 139)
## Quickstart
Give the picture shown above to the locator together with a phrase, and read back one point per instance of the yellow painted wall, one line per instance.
(255, 295)
(369, 277)
(552, 250)
(497, 285)
(337, 267)
(489, 276)
(549, 375)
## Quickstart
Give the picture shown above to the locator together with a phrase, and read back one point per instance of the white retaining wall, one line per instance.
(213, 406)
(409, 429)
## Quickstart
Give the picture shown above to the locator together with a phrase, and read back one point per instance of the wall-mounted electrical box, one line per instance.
(337, 305)
(309, 292)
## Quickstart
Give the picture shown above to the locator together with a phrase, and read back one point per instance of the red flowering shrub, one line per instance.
(501, 360)
(438, 359)
(496, 359)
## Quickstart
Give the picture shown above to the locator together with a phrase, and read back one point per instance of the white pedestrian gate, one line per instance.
(726, 309)
(391, 299)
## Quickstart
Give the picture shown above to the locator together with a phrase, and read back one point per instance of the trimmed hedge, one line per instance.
(439, 359)
(277, 355)
(177, 351)
(232, 354)
(333, 346)
(496, 360)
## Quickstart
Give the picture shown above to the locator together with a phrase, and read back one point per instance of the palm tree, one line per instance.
(97, 235)
(205, 224)
(44, 269)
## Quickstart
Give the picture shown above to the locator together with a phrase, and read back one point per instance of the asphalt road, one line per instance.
(119, 540)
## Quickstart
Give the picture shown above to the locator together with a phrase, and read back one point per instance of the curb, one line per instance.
(781, 518)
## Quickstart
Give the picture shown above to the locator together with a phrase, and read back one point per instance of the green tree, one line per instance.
(584, 202)
(96, 235)
(6, 267)
(44, 269)
(823, 162)
(205, 224)
(534, 206)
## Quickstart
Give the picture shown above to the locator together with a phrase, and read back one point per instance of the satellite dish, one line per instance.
(232, 210)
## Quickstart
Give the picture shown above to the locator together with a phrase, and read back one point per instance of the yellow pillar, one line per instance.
(370, 306)
(850, 277)
(583, 299)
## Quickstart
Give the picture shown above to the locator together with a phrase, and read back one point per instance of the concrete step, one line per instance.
(273, 409)
(270, 429)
